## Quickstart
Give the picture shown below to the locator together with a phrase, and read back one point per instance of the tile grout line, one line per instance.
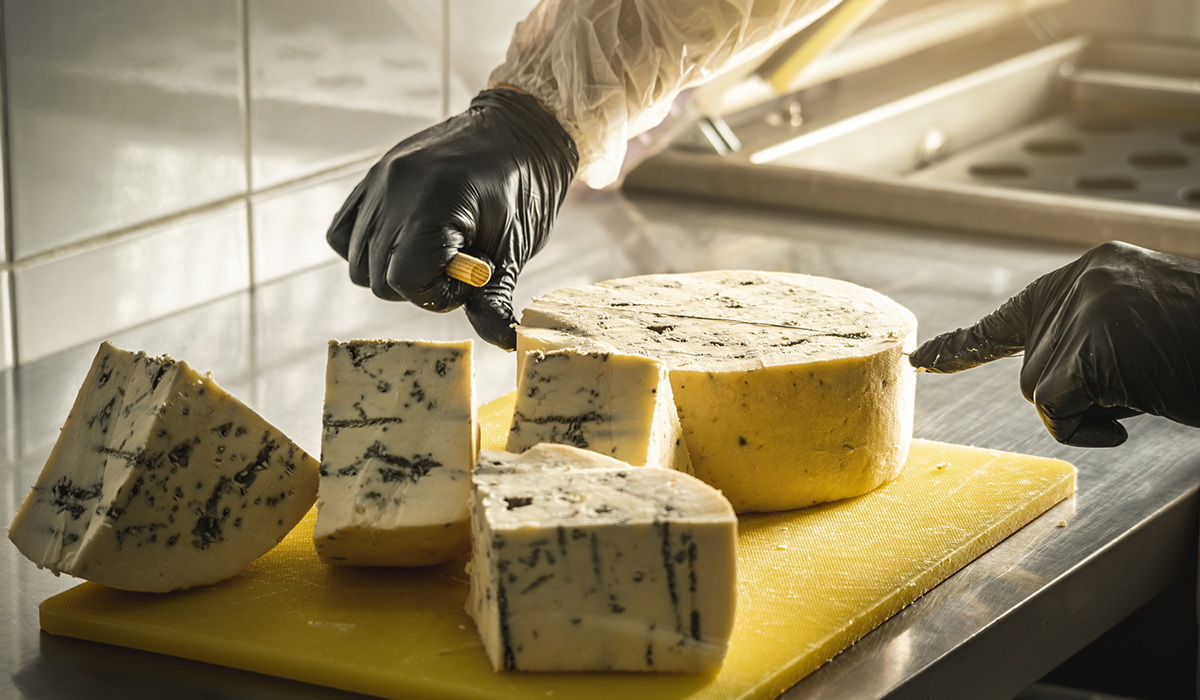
(132, 231)
(9, 246)
(252, 320)
(122, 234)
(247, 147)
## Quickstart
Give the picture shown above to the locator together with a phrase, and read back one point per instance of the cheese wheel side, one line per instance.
(793, 436)
(792, 390)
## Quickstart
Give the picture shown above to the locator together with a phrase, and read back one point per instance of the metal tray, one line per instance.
(1133, 159)
(1076, 139)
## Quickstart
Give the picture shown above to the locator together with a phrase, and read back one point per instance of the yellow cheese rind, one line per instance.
(161, 480)
(415, 545)
(831, 431)
(792, 390)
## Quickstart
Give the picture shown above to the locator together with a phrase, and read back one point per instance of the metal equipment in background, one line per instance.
(986, 115)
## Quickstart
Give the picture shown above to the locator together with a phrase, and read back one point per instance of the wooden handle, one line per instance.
(473, 271)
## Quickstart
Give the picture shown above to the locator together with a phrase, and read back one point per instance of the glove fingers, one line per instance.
(417, 269)
(999, 334)
(1098, 427)
(340, 231)
(379, 253)
(490, 309)
(1071, 413)
(363, 236)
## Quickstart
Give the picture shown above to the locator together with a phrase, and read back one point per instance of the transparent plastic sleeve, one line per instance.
(609, 69)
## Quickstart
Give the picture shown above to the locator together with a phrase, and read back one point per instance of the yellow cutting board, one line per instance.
(810, 583)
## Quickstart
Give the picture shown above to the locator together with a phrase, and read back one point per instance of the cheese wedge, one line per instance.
(161, 480)
(618, 405)
(397, 451)
(584, 563)
(792, 390)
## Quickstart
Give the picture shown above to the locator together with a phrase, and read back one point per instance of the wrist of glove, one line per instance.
(1112, 335)
(488, 182)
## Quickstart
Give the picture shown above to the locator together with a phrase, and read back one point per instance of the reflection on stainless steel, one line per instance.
(881, 139)
(991, 132)
(989, 630)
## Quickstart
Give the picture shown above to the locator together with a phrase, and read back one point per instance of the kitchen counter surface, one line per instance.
(987, 632)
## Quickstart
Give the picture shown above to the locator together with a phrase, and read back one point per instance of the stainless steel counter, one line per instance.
(987, 632)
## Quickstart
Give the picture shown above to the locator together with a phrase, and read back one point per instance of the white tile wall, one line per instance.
(6, 344)
(47, 388)
(8, 418)
(129, 120)
(119, 112)
(87, 295)
(334, 82)
(289, 225)
(479, 35)
(325, 303)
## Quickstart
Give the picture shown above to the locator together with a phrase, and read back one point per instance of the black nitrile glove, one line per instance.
(487, 182)
(1112, 335)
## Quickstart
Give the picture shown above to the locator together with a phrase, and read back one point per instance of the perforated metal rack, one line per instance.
(1156, 161)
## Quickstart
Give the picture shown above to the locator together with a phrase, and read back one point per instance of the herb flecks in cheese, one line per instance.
(396, 454)
(585, 563)
(160, 480)
(792, 390)
(617, 405)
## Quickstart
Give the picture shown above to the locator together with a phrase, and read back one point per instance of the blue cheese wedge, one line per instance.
(792, 390)
(617, 405)
(584, 563)
(397, 451)
(160, 480)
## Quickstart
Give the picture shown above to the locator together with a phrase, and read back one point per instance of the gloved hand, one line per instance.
(1114, 334)
(487, 182)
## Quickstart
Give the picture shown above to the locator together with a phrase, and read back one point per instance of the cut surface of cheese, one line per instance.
(792, 390)
(399, 442)
(160, 480)
(617, 405)
(584, 563)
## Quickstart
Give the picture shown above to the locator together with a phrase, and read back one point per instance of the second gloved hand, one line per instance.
(1113, 334)
(488, 182)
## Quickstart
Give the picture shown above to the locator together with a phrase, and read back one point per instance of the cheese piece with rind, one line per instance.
(399, 442)
(617, 405)
(792, 390)
(584, 563)
(160, 480)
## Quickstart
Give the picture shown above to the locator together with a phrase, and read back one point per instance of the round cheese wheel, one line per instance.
(792, 390)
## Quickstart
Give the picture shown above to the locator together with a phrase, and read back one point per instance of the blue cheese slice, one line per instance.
(160, 480)
(792, 390)
(397, 451)
(584, 563)
(617, 405)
